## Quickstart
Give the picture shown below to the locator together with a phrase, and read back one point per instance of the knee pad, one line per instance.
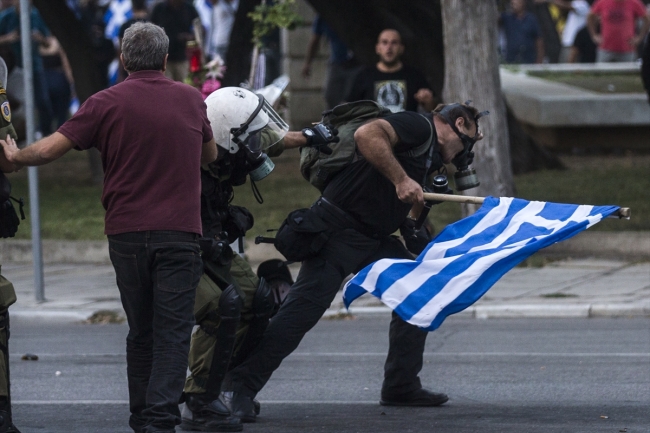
(228, 311)
(230, 304)
(263, 300)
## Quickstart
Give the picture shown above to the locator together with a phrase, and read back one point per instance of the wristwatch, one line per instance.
(309, 135)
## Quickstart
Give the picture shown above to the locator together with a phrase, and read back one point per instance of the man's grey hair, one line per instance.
(144, 47)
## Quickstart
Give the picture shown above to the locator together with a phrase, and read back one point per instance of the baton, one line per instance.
(623, 212)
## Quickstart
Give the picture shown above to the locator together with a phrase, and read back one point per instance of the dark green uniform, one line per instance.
(7, 294)
(220, 219)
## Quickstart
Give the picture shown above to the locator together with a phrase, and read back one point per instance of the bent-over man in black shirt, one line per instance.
(362, 206)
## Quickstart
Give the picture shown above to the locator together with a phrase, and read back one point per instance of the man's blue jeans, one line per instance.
(157, 274)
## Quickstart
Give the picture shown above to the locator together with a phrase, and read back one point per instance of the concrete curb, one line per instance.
(62, 315)
(630, 245)
(499, 311)
(510, 311)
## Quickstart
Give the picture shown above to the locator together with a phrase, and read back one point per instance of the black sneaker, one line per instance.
(419, 397)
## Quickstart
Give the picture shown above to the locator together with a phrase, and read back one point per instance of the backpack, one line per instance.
(319, 168)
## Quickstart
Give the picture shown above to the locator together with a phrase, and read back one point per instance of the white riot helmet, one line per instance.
(239, 117)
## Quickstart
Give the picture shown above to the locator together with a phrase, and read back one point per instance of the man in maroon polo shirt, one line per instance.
(153, 135)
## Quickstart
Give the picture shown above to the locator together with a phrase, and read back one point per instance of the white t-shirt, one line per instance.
(223, 18)
(575, 21)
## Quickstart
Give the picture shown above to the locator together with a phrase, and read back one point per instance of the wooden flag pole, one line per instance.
(621, 213)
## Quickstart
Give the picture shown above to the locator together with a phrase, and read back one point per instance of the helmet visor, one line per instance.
(266, 129)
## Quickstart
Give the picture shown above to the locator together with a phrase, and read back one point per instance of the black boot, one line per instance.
(6, 425)
(419, 397)
(208, 415)
(243, 407)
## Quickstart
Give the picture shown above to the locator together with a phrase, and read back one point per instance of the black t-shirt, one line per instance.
(363, 192)
(394, 90)
(175, 22)
(585, 46)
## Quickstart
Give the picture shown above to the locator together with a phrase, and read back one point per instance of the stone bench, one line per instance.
(562, 116)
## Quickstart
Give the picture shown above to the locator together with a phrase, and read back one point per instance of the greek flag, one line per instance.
(469, 256)
(117, 14)
(204, 9)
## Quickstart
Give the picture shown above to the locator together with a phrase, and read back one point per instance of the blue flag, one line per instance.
(469, 256)
(118, 12)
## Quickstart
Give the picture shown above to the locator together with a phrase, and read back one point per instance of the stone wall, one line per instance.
(306, 102)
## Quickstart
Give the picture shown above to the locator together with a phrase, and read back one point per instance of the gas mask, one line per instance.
(263, 129)
(464, 177)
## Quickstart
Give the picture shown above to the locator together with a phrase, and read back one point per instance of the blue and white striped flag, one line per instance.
(117, 14)
(469, 256)
(204, 9)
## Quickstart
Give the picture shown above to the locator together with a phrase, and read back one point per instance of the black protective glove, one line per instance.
(216, 251)
(320, 136)
(415, 240)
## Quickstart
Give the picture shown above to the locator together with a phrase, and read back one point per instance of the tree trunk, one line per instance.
(77, 45)
(552, 42)
(472, 72)
(240, 48)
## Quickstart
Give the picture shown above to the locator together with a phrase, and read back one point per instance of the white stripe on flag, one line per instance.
(468, 257)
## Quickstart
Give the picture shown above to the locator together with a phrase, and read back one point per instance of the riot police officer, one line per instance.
(8, 226)
(233, 304)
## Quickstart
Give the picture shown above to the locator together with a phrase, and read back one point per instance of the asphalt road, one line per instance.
(502, 375)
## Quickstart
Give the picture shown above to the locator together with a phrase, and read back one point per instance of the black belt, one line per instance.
(344, 218)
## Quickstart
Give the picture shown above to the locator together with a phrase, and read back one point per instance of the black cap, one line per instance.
(274, 269)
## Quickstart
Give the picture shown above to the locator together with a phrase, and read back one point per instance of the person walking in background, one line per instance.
(139, 13)
(583, 49)
(390, 82)
(223, 18)
(10, 35)
(153, 135)
(104, 52)
(176, 17)
(618, 38)
(576, 19)
(524, 43)
(59, 80)
(342, 66)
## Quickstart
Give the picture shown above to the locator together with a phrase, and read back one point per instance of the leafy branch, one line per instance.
(268, 17)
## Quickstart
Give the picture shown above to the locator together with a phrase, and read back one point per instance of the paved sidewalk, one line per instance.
(567, 288)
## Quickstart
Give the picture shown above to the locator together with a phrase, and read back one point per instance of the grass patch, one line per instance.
(620, 180)
(601, 82)
(71, 208)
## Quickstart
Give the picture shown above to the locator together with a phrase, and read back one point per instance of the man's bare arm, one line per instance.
(209, 152)
(294, 139)
(41, 152)
(592, 22)
(375, 140)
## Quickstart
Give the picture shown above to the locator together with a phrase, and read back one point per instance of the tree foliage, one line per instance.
(269, 17)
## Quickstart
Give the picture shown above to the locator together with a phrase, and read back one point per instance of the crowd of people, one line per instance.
(168, 188)
(169, 227)
(54, 90)
(589, 30)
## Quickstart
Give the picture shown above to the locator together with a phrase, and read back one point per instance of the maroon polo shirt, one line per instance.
(149, 130)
